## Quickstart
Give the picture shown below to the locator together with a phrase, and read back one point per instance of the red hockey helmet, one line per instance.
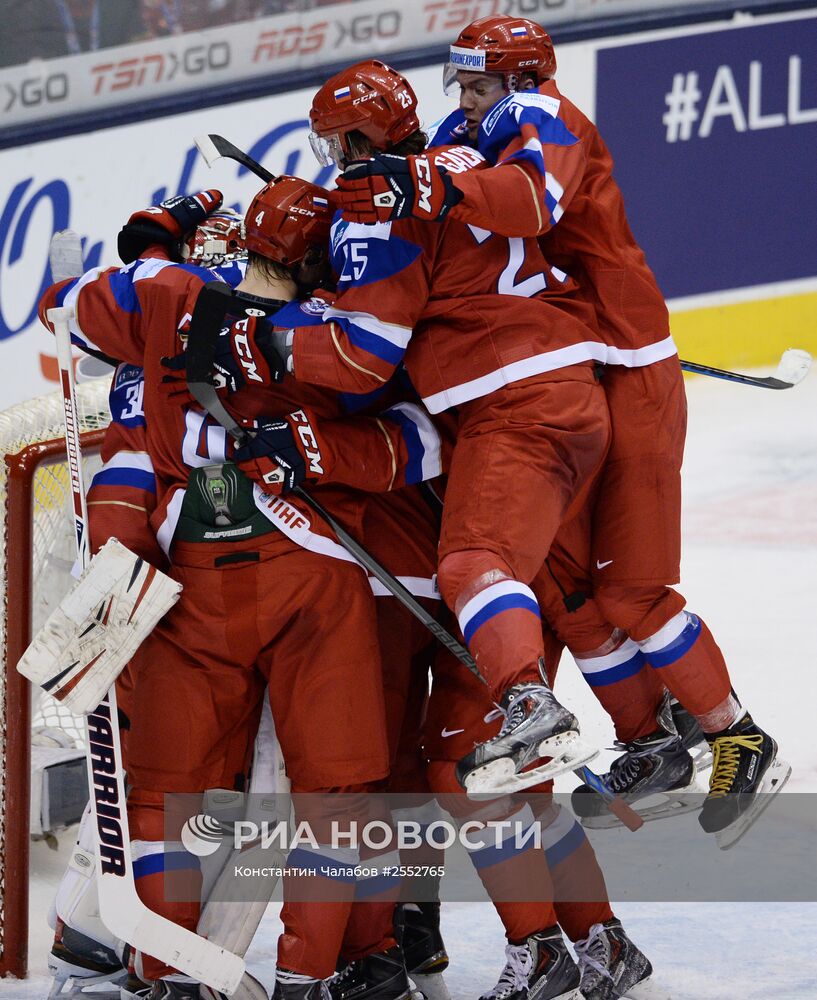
(369, 97)
(508, 46)
(286, 218)
(218, 240)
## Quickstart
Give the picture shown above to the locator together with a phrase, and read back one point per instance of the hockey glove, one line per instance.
(244, 357)
(282, 454)
(390, 187)
(165, 223)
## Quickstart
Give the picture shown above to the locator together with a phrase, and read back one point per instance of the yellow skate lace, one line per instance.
(726, 756)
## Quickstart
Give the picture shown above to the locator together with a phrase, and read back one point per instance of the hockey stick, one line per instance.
(213, 147)
(121, 909)
(215, 302)
(793, 367)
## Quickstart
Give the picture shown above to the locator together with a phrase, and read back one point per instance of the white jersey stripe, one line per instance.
(420, 586)
(164, 536)
(129, 460)
(70, 302)
(547, 362)
(666, 635)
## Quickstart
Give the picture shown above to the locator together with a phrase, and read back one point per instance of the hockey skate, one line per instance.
(77, 961)
(612, 968)
(650, 767)
(133, 988)
(539, 969)
(381, 976)
(417, 929)
(746, 773)
(692, 736)
(535, 726)
(248, 989)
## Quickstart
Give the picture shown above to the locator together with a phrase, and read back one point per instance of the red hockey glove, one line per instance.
(165, 223)
(246, 354)
(390, 187)
(283, 453)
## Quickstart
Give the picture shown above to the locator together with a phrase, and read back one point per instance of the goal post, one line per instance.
(35, 562)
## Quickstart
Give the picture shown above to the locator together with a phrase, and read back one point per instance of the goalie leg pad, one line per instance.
(92, 634)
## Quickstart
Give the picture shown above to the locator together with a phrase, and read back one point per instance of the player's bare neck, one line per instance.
(256, 283)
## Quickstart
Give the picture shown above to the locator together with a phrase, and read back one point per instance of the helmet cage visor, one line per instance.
(461, 59)
(328, 149)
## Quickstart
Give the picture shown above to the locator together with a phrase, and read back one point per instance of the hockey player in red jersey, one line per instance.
(485, 326)
(121, 500)
(553, 178)
(228, 542)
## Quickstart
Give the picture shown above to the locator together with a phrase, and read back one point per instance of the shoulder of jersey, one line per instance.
(307, 313)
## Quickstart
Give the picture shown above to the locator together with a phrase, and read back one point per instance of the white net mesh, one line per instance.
(52, 556)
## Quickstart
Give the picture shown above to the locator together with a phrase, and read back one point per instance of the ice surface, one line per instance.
(750, 569)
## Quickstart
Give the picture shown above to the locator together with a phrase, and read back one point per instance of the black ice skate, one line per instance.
(175, 989)
(692, 736)
(745, 775)
(248, 989)
(417, 928)
(77, 961)
(381, 976)
(613, 968)
(133, 987)
(650, 767)
(535, 726)
(538, 969)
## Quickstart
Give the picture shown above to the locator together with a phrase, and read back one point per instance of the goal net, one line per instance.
(36, 559)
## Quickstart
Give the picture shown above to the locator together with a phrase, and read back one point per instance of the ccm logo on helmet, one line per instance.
(308, 440)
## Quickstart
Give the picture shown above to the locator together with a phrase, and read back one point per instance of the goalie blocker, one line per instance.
(92, 634)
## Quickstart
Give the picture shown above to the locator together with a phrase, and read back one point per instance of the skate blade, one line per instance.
(648, 989)
(248, 989)
(78, 988)
(776, 776)
(567, 753)
(432, 987)
(701, 757)
(680, 801)
(69, 982)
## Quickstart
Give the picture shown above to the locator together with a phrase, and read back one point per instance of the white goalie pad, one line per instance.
(97, 627)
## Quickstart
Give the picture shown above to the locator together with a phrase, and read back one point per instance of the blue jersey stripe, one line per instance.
(308, 860)
(673, 652)
(507, 602)
(563, 848)
(136, 478)
(124, 293)
(414, 445)
(152, 864)
(490, 855)
(60, 296)
(620, 672)
(370, 342)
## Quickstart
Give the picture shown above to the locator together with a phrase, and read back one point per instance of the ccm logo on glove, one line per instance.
(423, 168)
(312, 452)
(243, 351)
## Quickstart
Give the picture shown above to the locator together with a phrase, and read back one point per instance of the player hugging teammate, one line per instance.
(493, 320)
